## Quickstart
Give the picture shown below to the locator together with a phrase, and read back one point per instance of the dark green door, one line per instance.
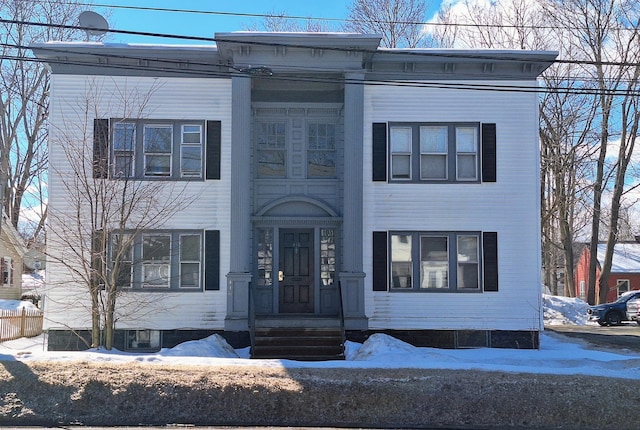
(296, 271)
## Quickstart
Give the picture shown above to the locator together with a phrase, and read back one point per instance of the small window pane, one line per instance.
(190, 247)
(191, 134)
(191, 160)
(400, 139)
(271, 164)
(158, 139)
(401, 265)
(467, 166)
(155, 275)
(433, 139)
(434, 258)
(401, 166)
(157, 165)
(124, 136)
(433, 167)
(156, 247)
(190, 275)
(466, 139)
(123, 165)
(321, 164)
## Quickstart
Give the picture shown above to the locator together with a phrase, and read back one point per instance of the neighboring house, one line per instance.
(625, 270)
(12, 251)
(397, 188)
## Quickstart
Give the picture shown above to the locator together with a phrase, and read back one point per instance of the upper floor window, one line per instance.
(296, 148)
(434, 152)
(157, 144)
(191, 151)
(438, 152)
(321, 152)
(271, 153)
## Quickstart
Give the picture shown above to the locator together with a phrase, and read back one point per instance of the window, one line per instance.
(7, 271)
(191, 151)
(156, 256)
(158, 140)
(122, 254)
(124, 141)
(165, 260)
(145, 340)
(321, 153)
(156, 149)
(622, 285)
(583, 290)
(190, 250)
(426, 261)
(434, 152)
(271, 149)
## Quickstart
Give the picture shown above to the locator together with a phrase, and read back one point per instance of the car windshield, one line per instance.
(626, 296)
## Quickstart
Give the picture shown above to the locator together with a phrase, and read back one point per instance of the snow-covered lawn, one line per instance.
(557, 355)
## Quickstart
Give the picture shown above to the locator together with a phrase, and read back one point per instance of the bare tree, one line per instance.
(279, 21)
(399, 22)
(24, 86)
(605, 36)
(92, 238)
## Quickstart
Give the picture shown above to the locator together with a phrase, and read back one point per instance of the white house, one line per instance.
(339, 185)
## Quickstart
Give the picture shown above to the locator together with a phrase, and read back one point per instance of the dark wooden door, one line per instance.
(296, 270)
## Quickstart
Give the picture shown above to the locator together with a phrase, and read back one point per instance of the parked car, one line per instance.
(613, 313)
(633, 310)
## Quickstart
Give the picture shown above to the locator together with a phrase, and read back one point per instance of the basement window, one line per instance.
(142, 340)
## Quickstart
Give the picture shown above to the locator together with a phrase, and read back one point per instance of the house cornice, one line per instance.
(292, 53)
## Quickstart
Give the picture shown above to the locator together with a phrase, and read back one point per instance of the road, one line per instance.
(622, 337)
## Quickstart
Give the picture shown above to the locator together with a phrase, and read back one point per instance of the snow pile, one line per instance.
(16, 305)
(212, 346)
(557, 354)
(564, 310)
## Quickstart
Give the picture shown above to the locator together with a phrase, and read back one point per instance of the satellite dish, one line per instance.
(93, 23)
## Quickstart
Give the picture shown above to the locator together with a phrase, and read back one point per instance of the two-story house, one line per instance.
(339, 184)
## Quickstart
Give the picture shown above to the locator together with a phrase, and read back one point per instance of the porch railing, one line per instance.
(20, 323)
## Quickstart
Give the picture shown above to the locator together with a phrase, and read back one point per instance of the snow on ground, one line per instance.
(557, 354)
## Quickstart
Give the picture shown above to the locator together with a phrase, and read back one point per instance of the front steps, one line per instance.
(298, 339)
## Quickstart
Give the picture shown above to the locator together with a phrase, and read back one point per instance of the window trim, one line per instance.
(451, 157)
(452, 261)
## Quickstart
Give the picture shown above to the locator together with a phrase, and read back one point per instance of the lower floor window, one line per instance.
(435, 261)
(157, 260)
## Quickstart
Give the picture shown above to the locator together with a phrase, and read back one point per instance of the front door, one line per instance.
(296, 271)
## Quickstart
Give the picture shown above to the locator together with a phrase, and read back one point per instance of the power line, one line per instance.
(297, 78)
(330, 19)
(403, 52)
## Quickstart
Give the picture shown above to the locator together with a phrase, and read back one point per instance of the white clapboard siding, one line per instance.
(509, 207)
(207, 203)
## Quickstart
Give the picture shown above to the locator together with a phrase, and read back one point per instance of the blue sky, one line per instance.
(206, 24)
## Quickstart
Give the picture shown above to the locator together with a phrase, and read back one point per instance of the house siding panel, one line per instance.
(168, 98)
(461, 207)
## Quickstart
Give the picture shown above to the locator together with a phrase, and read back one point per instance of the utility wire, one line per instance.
(308, 18)
(415, 52)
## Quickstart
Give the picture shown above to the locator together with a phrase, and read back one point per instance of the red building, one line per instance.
(625, 270)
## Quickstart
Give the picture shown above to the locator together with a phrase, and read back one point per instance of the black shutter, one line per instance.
(212, 260)
(379, 151)
(488, 153)
(490, 258)
(101, 148)
(214, 139)
(380, 261)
